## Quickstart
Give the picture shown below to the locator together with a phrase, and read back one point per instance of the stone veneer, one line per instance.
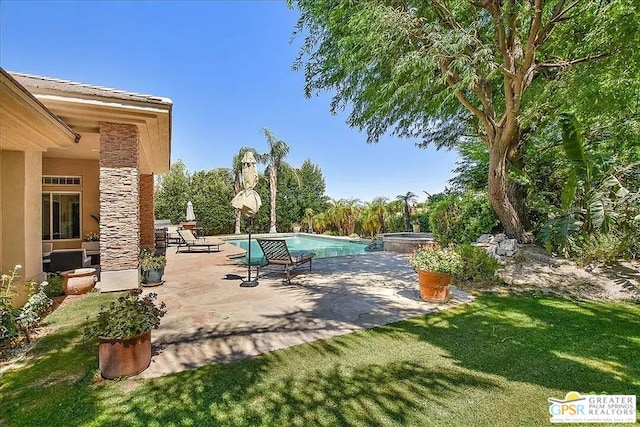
(147, 215)
(119, 209)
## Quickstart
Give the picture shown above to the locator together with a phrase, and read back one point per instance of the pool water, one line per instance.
(323, 247)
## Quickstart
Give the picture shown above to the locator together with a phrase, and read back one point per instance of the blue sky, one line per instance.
(227, 68)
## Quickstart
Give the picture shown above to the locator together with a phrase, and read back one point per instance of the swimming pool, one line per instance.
(323, 247)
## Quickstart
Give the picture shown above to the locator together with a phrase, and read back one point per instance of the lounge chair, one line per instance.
(172, 234)
(189, 241)
(276, 252)
(69, 259)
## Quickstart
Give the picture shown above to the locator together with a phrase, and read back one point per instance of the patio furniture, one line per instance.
(69, 259)
(172, 235)
(93, 251)
(47, 248)
(276, 252)
(160, 242)
(189, 241)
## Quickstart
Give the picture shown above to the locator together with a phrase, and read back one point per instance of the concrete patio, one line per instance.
(211, 319)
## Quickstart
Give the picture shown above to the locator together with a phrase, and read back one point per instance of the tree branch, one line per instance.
(557, 15)
(469, 106)
(567, 63)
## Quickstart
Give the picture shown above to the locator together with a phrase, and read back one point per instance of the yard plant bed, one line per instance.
(493, 362)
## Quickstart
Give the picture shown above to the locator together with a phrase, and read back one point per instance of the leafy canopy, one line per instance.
(434, 70)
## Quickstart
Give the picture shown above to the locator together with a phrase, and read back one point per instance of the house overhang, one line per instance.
(27, 124)
(84, 107)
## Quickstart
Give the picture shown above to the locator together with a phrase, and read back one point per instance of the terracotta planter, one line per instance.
(126, 357)
(79, 281)
(434, 287)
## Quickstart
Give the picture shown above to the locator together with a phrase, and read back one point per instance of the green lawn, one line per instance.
(493, 362)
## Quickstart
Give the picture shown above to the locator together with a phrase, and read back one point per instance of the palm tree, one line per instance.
(370, 221)
(278, 150)
(408, 199)
(237, 181)
(308, 218)
(379, 207)
(348, 213)
(319, 222)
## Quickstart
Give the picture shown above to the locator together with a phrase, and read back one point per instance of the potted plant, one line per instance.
(436, 267)
(123, 329)
(152, 267)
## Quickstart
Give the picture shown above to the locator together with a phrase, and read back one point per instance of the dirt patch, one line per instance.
(535, 270)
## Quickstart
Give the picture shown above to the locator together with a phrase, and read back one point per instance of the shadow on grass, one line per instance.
(248, 393)
(51, 381)
(555, 343)
(424, 370)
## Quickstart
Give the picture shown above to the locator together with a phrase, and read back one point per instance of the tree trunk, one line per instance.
(517, 194)
(516, 191)
(498, 193)
(273, 184)
(407, 218)
(237, 215)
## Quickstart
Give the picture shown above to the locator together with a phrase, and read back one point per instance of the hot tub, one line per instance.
(406, 242)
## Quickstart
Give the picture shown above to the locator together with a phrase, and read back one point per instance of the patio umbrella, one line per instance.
(248, 202)
(190, 215)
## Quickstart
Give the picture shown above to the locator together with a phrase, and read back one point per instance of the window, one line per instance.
(61, 180)
(60, 216)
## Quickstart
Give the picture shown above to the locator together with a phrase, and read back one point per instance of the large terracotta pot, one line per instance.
(126, 357)
(434, 287)
(79, 281)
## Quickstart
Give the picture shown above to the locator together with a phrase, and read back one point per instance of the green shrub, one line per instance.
(436, 259)
(36, 305)
(55, 287)
(29, 314)
(394, 224)
(598, 248)
(127, 317)
(423, 220)
(8, 314)
(478, 267)
(445, 220)
(462, 220)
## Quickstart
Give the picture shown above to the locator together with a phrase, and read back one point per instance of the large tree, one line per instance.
(211, 192)
(312, 187)
(172, 191)
(436, 70)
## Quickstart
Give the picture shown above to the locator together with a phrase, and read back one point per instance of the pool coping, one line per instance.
(361, 240)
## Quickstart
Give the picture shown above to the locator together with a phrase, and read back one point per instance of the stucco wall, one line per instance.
(90, 198)
(2, 269)
(22, 216)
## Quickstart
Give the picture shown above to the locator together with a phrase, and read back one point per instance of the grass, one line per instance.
(493, 362)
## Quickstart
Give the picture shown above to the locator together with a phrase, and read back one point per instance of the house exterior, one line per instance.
(78, 159)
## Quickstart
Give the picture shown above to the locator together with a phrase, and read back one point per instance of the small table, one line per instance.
(95, 257)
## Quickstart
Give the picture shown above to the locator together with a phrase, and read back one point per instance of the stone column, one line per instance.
(147, 215)
(119, 209)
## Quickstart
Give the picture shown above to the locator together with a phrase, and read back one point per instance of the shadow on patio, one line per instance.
(211, 319)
